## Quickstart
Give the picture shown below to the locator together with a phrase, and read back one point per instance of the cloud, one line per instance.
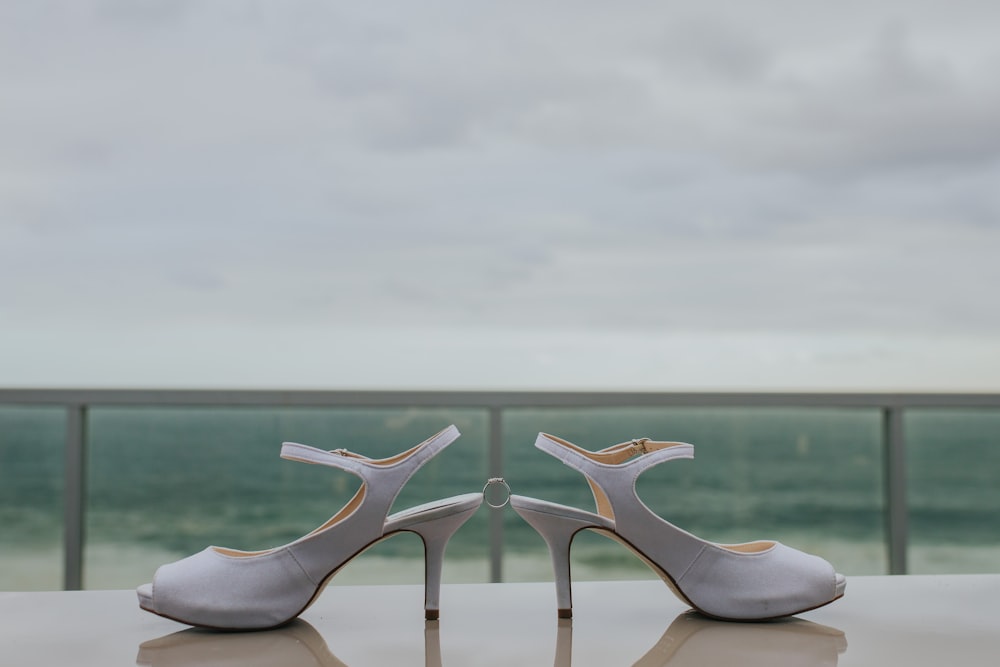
(764, 168)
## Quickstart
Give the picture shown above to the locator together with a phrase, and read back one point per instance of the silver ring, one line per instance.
(496, 480)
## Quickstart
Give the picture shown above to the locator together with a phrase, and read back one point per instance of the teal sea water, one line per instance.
(165, 482)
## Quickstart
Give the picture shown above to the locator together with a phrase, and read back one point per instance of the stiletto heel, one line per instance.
(752, 581)
(435, 533)
(558, 531)
(239, 590)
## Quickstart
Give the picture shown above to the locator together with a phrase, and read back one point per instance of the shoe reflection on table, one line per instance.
(694, 639)
(297, 644)
(691, 639)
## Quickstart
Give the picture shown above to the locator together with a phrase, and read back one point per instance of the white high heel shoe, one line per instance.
(239, 590)
(752, 581)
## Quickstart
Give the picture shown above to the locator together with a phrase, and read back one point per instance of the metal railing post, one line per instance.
(74, 496)
(496, 516)
(896, 512)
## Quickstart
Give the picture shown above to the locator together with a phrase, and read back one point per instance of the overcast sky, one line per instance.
(578, 195)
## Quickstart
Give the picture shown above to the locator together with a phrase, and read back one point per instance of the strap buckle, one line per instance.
(639, 445)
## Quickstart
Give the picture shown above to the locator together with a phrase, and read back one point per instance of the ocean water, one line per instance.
(163, 482)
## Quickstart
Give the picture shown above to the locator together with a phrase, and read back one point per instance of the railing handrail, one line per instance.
(494, 398)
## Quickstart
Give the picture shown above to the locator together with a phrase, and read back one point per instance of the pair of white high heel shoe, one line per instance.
(238, 590)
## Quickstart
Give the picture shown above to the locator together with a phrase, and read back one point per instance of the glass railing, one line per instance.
(32, 440)
(98, 488)
(954, 490)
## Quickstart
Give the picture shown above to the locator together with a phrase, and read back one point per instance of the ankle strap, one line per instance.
(362, 466)
(638, 454)
(612, 471)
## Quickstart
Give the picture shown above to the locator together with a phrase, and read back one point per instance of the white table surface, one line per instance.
(906, 620)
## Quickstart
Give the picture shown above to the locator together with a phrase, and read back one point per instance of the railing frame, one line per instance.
(77, 402)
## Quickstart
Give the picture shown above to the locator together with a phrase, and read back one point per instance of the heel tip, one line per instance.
(431, 614)
(565, 613)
